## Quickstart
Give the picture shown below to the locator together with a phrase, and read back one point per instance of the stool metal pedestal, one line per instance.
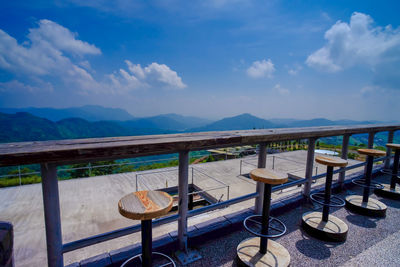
(322, 225)
(390, 190)
(261, 251)
(364, 204)
(145, 206)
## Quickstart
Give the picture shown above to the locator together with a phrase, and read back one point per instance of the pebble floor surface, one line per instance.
(370, 241)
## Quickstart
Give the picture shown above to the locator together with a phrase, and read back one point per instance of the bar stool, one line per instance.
(390, 190)
(364, 204)
(145, 206)
(261, 251)
(320, 224)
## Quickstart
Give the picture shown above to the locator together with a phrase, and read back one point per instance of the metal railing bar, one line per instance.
(218, 181)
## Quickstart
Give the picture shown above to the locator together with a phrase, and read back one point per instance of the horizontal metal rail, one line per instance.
(74, 245)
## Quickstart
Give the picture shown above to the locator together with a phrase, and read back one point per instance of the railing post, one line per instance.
(52, 219)
(371, 137)
(309, 166)
(389, 150)
(183, 191)
(345, 150)
(262, 161)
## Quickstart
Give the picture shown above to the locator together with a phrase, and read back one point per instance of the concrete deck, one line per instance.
(89, 205)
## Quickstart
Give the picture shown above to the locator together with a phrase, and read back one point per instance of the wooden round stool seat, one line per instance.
(145, 205)
(267, 176)
(373, 207)
(331, 161)
(371, 152)
(248, 252)
(393, 146)
(332, 230)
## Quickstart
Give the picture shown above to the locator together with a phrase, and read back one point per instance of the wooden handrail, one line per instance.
(77, 150)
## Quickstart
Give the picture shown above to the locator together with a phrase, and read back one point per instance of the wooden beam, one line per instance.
(68, 151)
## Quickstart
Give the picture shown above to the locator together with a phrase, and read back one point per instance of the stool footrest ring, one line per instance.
(256, 219)
(334, 201)
(169, 262)
(361, 182)
(388, 172)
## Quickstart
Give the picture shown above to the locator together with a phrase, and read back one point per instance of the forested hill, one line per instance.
(24, 126)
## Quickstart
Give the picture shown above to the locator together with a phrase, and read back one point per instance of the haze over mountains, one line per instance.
(33, 124)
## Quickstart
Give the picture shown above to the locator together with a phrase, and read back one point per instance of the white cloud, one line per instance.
(44, 55)
(153, 75)
(16, 86)
(259, 69)
(356, 43)
(295, 70)
(281, 90)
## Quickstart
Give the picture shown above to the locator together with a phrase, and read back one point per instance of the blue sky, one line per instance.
(273, 59)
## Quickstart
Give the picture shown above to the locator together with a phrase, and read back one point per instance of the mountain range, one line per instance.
(34, 124)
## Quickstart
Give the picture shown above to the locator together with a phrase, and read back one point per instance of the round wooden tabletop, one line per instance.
(371, 152)
(267, 176)
(331, 161)
(393, 146)
(145, 205)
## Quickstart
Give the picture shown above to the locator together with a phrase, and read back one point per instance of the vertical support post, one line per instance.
(265, 218)
(262, 161)
(368, 174)
(327, 197)
(19, 175)
(136, 183)
(52, 219)
(371, 136)
(240, 170)
(395, 169)
(345, 150)
(389, 150)
(192, 176)
(309, 166)
(183, 191)
(147, 241)
(273, 162)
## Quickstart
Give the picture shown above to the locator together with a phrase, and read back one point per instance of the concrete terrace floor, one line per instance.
(89, 205)
(370, 241)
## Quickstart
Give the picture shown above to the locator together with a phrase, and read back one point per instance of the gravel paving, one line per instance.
(370, 241)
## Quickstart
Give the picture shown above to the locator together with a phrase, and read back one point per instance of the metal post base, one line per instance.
(248, 254)
(159, 259)
(189, 257)
(388, 192)
(373, 207)
(332, 230)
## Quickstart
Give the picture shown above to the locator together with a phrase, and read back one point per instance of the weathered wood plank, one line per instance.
(63, 151)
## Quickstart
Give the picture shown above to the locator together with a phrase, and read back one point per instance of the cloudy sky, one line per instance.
(273, 59)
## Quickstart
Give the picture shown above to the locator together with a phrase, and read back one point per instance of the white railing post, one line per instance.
(345, 150)
(309, 166)
(389, 150)
(52, 219)
(262, 161)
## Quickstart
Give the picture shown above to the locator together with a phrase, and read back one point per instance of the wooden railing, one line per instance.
(50, 154)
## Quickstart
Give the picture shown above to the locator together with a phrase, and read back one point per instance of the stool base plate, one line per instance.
(332, 230)
(387, 192)
(249, 255)
(373, 207)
